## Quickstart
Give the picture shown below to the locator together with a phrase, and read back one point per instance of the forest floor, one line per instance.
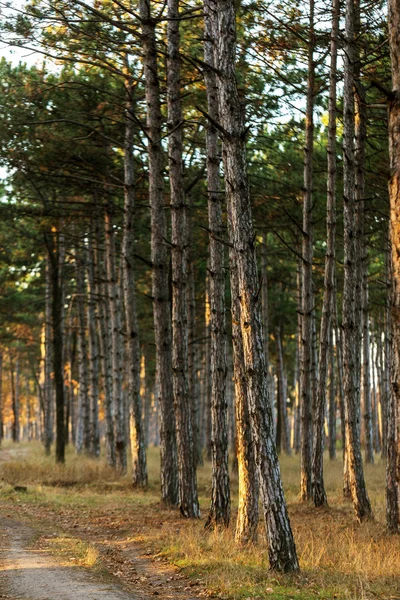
(79, 531)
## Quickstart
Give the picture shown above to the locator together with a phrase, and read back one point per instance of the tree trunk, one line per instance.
(114, 302)
(188, 500)
(160, 261)
(351, 389)
(318, 488)
(94, 370)
(393, 442)
(48, 367)
(52, 243)
(307, 307)
(332, 403)
(297, 408)
(283, 422)
(219, 514)
(281, 547)
(14, 376)
(138, 447)
(105, 344)
(375, 392)
(83, 416)
(247, 518)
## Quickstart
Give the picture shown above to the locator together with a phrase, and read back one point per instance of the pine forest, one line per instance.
(200, 299)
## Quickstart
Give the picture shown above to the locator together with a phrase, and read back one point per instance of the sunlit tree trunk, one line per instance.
(393, 443)
(351, 379)
(248, 511)
(281, 547)
(219, 514)
(188, 499)
(160, 261)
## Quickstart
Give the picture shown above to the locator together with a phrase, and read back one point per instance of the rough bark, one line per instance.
(307, 305)
(318, 488)
(393, 443)
(188, 500)
(138, 446)
(160, 261)
(219, 514)
(351, 380)
(248, 511)
(281, 547)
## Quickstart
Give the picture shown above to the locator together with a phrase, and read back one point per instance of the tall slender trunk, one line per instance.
(160, 261)
(83, 417)
(366, 371)
(281, 547)
(94, 370)
(105, 344)
(332, 402)
(48, 383)
(297, 408)
(351, 388)
(283, 419)
(138, 447)
(361, 281)
(207, 368)
(393, 443)
(14, 377)
(247, 517)
(318, 488)
(52, 243)
(219, 514)
(375, 392)
(188, 499)
(387, 354)
(307, 307)
(114, 302)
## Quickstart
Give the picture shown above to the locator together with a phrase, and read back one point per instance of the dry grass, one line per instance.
(339, 558)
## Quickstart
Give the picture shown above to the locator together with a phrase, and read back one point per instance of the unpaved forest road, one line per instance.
(30, 574)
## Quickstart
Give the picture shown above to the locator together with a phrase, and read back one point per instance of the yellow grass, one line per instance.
(339, 558)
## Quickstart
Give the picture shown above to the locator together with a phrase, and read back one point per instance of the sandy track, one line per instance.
(31, 574)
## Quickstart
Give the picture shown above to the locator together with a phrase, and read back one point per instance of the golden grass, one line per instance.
(339, 558)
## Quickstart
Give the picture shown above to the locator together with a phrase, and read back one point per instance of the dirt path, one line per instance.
(33, 575)
(27, 572)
